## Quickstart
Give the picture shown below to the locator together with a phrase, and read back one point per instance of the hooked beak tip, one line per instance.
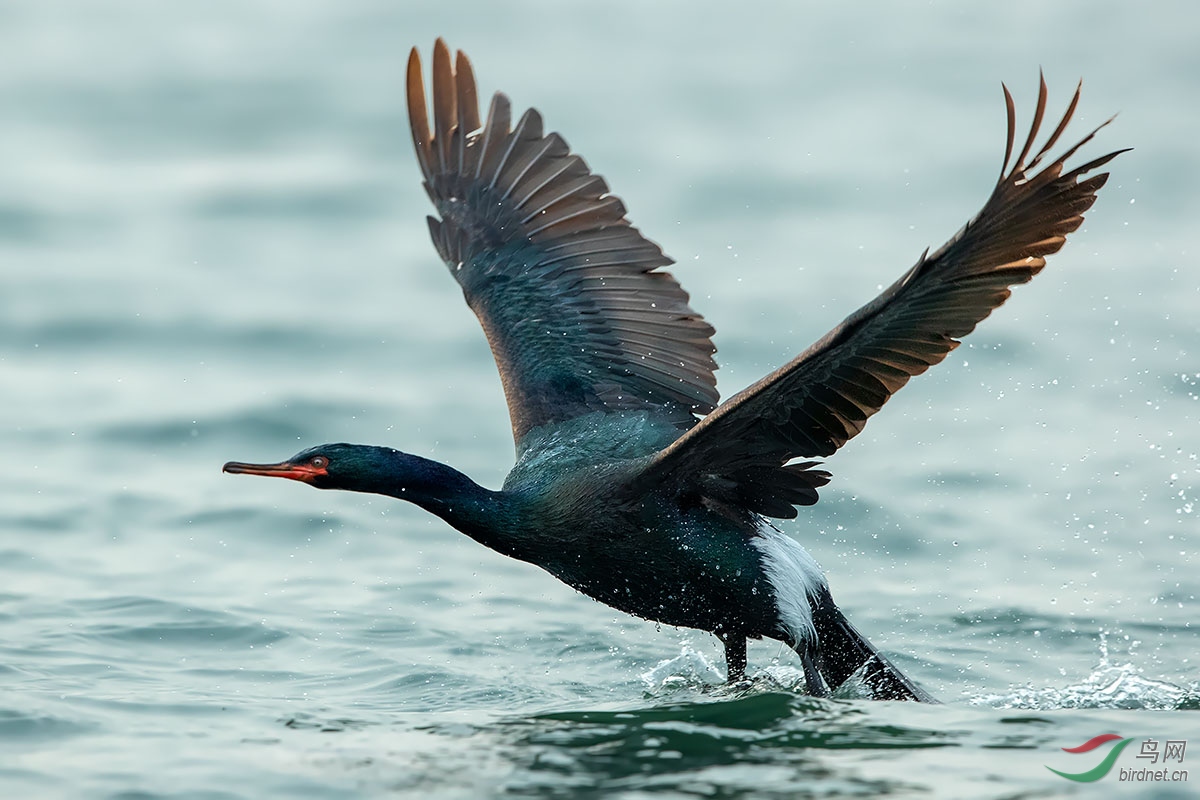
(242, 468)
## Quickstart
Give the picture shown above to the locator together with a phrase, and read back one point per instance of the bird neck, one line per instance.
(486, 516)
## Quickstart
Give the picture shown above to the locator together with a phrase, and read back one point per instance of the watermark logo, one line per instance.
(1152, 750)
(1100, 770)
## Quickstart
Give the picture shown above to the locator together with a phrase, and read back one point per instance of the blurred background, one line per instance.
(213, 247)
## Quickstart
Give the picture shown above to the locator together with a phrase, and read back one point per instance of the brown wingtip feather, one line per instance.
(418, 119)
(445, 111)
(1036, 124)
(468, 99)
(1011, 109)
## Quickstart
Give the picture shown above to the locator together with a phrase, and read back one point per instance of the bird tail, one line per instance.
(843, 652)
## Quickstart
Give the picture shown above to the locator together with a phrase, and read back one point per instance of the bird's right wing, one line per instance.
(578, 313)
(815, 404)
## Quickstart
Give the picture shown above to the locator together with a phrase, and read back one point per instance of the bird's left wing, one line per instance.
(577, 312)
(815, 404)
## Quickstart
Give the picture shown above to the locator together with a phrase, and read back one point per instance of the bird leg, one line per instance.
(812, 674)
(735, 656)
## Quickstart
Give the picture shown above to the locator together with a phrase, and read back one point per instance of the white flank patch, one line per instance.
(794, 575)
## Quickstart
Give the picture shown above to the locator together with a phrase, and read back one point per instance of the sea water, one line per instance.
(213, 247)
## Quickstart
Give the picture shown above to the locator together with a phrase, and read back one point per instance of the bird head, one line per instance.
(326, 466)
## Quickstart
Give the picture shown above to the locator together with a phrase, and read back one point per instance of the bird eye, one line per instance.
(320, 462)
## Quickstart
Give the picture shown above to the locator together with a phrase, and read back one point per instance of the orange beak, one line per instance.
(285, 469)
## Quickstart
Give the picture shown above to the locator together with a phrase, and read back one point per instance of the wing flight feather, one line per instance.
(577, 310)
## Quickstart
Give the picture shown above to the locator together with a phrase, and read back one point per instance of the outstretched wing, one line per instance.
(823, 398)
(579, 316)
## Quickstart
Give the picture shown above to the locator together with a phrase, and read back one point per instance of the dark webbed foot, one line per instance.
(844, 652)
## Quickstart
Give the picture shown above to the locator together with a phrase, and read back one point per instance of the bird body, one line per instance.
(631, 484)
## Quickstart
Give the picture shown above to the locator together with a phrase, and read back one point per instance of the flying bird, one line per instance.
(633, 483)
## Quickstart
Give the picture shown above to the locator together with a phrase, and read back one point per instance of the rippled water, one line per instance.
(213, 247)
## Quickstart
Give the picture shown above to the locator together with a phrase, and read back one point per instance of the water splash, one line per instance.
(1108, 685)
(691, 671)
(688, 670)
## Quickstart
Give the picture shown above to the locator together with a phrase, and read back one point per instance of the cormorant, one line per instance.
(631, 483)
